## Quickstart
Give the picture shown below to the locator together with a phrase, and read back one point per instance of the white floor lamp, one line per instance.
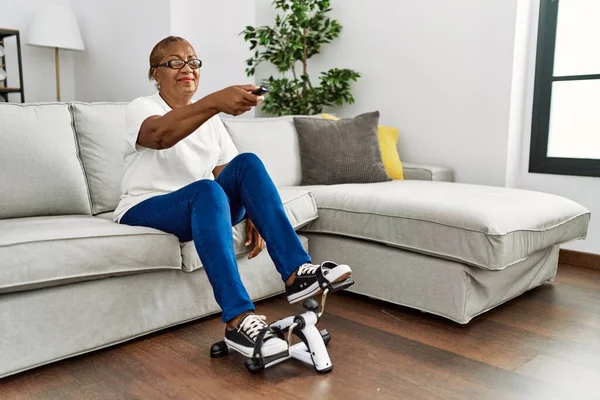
(55, 26)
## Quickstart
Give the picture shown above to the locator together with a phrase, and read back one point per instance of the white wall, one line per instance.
(584, 190)
(439, 70)
(119, 36)
(213, 28)
(39, 71)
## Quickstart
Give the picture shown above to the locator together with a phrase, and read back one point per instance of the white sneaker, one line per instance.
(306, 283)
(242, 337)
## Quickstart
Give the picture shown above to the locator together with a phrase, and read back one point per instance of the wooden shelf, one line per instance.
(4, 91)
(10, 90)
(7, 32)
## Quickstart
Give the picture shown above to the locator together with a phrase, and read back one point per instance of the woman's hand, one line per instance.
(236, 100)
(253, 238)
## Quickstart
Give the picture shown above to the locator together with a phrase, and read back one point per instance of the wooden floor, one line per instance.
(542, 345)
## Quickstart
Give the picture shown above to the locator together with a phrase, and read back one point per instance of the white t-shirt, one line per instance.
(151, 172)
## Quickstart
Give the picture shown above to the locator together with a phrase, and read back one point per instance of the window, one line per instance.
(565, 136)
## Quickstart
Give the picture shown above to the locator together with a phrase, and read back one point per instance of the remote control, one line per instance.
(261, 90)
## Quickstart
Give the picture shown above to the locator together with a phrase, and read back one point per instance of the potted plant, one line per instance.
(301, 29)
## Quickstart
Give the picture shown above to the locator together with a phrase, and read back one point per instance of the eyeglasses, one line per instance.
(178, 64)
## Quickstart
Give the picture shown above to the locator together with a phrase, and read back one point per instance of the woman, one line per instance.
(183, 175)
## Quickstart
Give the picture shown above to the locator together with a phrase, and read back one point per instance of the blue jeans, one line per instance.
(205, 211)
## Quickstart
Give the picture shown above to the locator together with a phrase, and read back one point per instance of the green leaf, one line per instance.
(301, 29)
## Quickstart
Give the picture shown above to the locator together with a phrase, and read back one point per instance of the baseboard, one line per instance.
(579, 258)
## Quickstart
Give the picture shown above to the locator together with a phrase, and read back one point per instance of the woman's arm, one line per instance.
(161, 132)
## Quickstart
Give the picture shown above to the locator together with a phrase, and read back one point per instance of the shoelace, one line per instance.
(253, 324)
(306, 269)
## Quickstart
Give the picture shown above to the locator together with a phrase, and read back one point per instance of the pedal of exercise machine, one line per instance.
(310, 350)
(341, 285)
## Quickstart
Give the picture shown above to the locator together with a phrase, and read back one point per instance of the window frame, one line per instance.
(539, 162)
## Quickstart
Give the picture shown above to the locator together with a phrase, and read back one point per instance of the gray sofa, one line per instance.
(73, 281)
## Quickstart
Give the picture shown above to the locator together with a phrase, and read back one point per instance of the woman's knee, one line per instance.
(208, 191)
(248, 159)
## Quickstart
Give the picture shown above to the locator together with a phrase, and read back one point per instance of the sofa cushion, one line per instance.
(484, 226)
(100, 129)
(337, 152)
(47, 251)
(388, 145)
(40, 172)
(274, 141)
(427, 172)
(299, 206)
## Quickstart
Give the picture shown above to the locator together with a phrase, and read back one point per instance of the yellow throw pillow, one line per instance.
(330, 117)
(388, 146)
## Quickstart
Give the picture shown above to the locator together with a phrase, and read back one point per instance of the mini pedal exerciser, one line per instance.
(310, 350)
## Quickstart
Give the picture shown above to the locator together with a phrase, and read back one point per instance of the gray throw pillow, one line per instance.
(342, 151)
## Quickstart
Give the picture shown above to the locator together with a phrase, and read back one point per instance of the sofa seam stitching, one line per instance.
(466, 294)
(161, 233)
(415, 249)
(100, 276)
(79, 156)
(420, 251)
(457, 227)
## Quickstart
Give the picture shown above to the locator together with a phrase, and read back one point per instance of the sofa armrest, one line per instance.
(427, 172)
